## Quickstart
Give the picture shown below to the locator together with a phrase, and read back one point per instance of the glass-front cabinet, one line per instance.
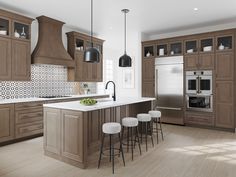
(162, 50)
(191, 46)
(176, 48)
(4, 26)
(21, 30)
(79, 45)
(224, 43)
(207, 44)
(148, 51)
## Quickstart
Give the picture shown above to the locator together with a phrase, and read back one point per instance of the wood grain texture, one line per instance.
(185, 152)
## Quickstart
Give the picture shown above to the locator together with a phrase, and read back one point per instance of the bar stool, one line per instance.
(131, 124)
(146, 119)
(111, 129)
(156, 117)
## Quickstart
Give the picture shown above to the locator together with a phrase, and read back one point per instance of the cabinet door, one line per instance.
(191, 62)
(79, 69)
(148, 68)
(5, 59)
(224, 66)
(21, 64)
(6, 122)
(148, 89)
(97, 71)
(224, 104)
(206, 61)
(73, 135)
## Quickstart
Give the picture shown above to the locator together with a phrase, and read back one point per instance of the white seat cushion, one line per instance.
(155, 114)
(111, 128)
(130, 122)
(143, 117)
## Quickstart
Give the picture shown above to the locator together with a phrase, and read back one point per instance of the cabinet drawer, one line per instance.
(24, 130)
(199, 119)
(28, 116)
(28, 105)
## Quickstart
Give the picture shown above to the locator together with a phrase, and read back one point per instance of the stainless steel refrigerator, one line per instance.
(169, 88)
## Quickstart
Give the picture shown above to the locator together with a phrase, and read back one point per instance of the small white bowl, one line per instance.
(3, 32)
(207, 48)
(190, 51)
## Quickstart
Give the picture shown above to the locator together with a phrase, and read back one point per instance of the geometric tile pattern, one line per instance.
(46, 80)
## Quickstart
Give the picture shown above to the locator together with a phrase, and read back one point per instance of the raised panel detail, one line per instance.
(224, 115)
(206, 61)
(191, 62)
(20, 60)
(224, 66)
(5, 59)
(72, 135)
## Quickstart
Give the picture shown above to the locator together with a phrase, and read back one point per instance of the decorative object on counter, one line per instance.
(92, 55)
(23, 34)
(172, 52)
(85, 88)
(88, 101)
(161, 52)
(148, 54)
(221, 47)
(16, 34)
(125, 60)
(207, 48)
(3, 32)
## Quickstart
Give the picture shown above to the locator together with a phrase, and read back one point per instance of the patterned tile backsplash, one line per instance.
(46, 80)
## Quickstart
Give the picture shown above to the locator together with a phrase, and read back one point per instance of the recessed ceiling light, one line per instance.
(195, 9)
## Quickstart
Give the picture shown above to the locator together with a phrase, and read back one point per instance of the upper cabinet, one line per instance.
(15, 33)
(83, 71)
(148, 51)
(169, 48)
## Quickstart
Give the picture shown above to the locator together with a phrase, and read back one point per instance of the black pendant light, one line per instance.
(125, 60)
(92, 55)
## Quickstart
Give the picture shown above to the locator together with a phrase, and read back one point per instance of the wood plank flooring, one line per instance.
(185, 152)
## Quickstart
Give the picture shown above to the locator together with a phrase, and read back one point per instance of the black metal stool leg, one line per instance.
(161, 130)
(121, 150)
(101, 150)
(137, 134)
(113, 154)
(156, 122)
(127, 140)
(146, 132)
(151, 131)
(141, 132)
(132, 145)
(110, 147)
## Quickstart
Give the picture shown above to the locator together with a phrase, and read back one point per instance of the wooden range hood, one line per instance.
(50, 49)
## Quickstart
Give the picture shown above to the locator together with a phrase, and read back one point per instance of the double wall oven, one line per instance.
(199, 90)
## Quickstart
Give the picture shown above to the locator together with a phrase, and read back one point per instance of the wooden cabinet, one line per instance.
(199, 61)
(191, 62)
(204, 119)
(148, 89)
(28, 119)
(5, 58)
(148, 69)
(224, 104)
(84, 71)
(15, 48)
(6, 122)
(21, 61)
(224, 66)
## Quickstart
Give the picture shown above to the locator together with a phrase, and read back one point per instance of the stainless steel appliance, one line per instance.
(203, 103)
(169, 88)
(199, 82)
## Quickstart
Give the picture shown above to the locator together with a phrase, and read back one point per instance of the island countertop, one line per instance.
(101, 104)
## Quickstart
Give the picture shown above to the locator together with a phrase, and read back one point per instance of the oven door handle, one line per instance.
(198, 84)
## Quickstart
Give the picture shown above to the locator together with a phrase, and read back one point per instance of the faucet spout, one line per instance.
(114, 89)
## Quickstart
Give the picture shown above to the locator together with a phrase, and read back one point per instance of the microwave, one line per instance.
(199, 82)
(203, 103)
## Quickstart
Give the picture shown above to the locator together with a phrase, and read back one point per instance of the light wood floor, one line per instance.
(186, 152)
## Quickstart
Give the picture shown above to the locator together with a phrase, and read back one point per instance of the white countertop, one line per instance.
(101, 104)
(22, 100)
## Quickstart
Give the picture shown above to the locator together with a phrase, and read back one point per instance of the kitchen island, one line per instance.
(73, 131)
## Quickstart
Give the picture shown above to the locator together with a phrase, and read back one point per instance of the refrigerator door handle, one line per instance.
(169, 108)
(156, 90)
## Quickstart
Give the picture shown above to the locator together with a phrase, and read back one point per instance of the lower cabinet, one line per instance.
(195, 118)
(28, 119)
(6, 122)
(224, 104)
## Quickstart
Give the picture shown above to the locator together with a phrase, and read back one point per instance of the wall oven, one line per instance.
(199, 82)
(202, 103)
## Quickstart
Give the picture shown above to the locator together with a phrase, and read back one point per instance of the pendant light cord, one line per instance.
(91, 23)
(125, 30)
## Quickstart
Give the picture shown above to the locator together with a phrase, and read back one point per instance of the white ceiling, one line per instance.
(147, 16)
